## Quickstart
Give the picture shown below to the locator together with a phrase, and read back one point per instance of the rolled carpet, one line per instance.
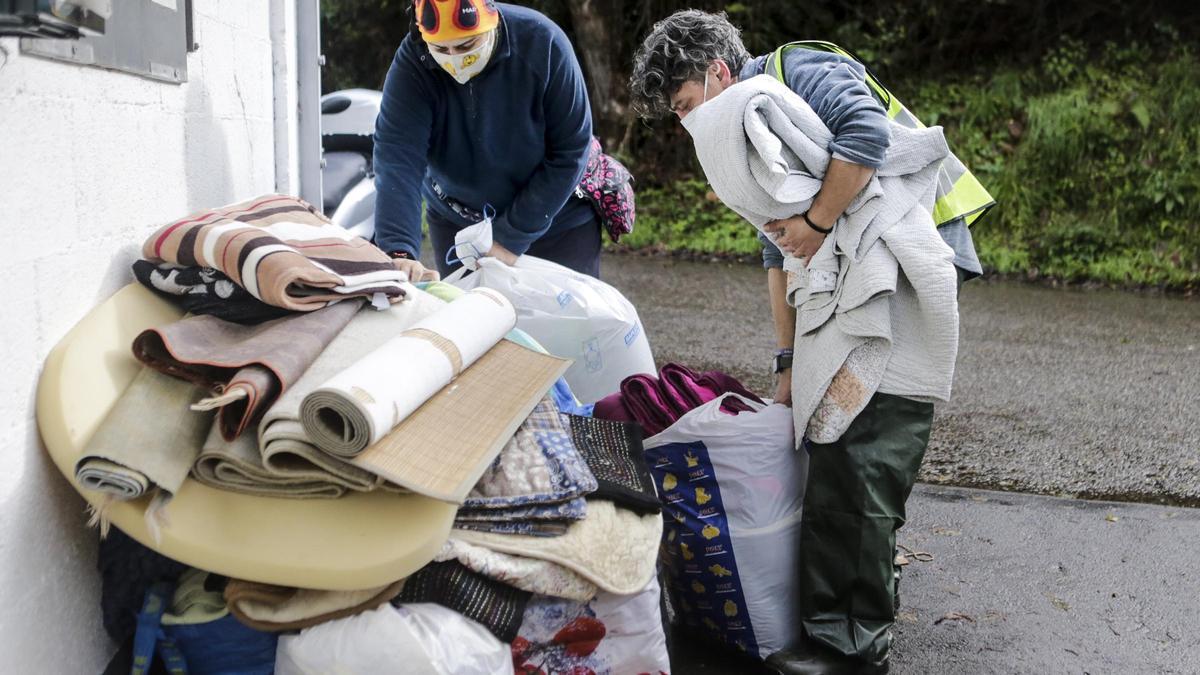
(282, 461)
(237, 466)
(360, 405)
(150, 437)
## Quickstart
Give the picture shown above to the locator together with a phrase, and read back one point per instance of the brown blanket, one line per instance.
(249, 365)
(274, 609)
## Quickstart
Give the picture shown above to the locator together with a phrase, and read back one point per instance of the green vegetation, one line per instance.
(1093, 158)
(686, 217)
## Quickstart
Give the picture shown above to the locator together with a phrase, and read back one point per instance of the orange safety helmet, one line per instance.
(448, 20)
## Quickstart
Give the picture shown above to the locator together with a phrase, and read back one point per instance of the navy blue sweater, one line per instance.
(515, 137)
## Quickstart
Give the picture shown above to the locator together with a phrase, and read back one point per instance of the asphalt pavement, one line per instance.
(1030, 584)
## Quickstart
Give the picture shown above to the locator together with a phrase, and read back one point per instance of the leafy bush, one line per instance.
(1093, 158)
(687, 217)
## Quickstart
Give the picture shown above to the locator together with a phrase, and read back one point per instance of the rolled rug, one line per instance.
(109, 477)
(359, 406)
(288, 452)
(249, 365)
(150, 437)
(237, 466)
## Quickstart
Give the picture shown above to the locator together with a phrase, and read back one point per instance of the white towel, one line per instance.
(876, 307)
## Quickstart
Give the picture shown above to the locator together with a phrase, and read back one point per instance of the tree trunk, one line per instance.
(597, 23)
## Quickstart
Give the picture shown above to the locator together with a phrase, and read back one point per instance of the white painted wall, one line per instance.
(91, 161)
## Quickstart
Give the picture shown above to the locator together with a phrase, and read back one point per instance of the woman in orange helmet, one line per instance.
(484, 108)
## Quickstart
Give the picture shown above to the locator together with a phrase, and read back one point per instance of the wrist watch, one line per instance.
(783, 361)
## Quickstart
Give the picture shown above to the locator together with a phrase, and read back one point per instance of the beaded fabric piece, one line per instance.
(613, 452)
(497, 606)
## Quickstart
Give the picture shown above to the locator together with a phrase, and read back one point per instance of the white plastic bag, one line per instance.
(573, 316)
(733, 492)
(412, 638)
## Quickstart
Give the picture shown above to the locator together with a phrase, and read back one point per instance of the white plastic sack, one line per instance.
(573, 316)
(733, 491)
(412, 638)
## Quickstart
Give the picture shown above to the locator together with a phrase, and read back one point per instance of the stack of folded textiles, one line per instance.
(236, 394)
(537, 484)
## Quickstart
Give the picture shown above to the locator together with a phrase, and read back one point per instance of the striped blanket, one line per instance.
(281, 250)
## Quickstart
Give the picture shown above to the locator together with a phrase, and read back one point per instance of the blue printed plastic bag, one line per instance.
(732, 490)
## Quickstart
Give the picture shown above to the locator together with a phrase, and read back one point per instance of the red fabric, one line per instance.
(612, 408)
(655, 404)
(644, 400)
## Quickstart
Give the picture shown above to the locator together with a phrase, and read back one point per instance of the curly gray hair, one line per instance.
(678, 50)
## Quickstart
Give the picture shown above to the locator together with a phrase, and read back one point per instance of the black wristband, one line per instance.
(822, 230)
(401, 255)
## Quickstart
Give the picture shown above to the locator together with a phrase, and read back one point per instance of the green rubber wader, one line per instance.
(853, 507)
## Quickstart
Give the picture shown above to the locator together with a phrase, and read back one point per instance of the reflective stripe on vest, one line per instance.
(959, 193)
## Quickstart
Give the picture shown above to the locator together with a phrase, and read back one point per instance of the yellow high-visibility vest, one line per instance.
(959, 192)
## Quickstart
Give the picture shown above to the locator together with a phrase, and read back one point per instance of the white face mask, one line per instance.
(462, 67)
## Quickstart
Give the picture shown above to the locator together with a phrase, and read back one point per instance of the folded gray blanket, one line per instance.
(876, 306)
